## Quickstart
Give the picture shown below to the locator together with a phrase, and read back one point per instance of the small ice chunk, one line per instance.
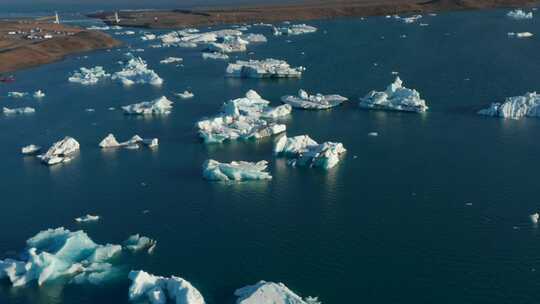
(137, 242)
(60, 151)
(39, 94)
(313, 102)
(170, 60)
(110, 142)
(30, 149)
(137, 71)
(148, 37)
(373, 134)
(17, 94)
(534, 218)
(268, 68)
(304, 151)
(160, 105)
(254, 38)
(235, 171)
(87, 218)
(161, 290)
(215, 55)
(515, 107)
(89, 76)
(23, 110)
(185, 95)
(519, 14)
(396, 97)
(270, 293)
(295, 29)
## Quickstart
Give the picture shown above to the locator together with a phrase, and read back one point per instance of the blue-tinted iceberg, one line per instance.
(235, 171)
(89, 76)
(160, 105)
(313, 102)
(268, 68)
(162, 290)
(396, 97)
(59, 253)
(519, 14)
(515, 107)
(304, 151)
(137, 71)
(270, 293)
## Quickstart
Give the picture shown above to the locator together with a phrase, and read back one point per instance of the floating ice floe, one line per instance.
(87, 218)
(160, 105)
(268, 68)
(534, 218)
(23, 110)
(304, 151)
(295, 29)
(170, 60)
(133, 143)
(313, 102)
(59, 253)
(396, 97)
(270, 293)
(373, 134)
(38, 94)
(185, 95)
(61, 151)
(520, 34)
(137, 71)
(17, 94)
(148, 37)
(98, 28)
(89, 76)
(235, 171)
(215, 55)
(515, 107)
(127, 33)
(255, 38)
(229, 44)
(162, 290)
(138, 243)
(30, 149)
(243, 118)
(519, 14)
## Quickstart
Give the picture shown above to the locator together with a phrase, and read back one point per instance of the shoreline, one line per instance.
(305, 11)
(26, 43)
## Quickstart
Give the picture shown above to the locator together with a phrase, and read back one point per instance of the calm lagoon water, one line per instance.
(433, 209)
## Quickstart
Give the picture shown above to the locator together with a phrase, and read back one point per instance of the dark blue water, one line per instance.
(394, 225)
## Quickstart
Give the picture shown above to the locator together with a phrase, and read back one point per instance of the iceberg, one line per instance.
(305, 151)
(162, 290)
(60, 151)
(55, 253)
(160, 105)
(230, 44)
(38, 94)
(215, 55)
(137, 243)
(519, 14)
(534, 218)
(23, 110)
(411, 19)
(89, 76)
(268, 68)
(133, 143)
(235, 171)
(515, 107)
(396, 97)
(30, 149)
(254, 38)
(295, 29)
(137, 71)
(185, 95)
(313, 102)
(87, 218)
(148, 37)
(270, 293)
(17, 94)
(170, 60)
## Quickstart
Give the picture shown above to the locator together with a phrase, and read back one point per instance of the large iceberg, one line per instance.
(305, 151)
(162, 290)
(396, 97)
(23, 110)
(243, 118)
(192, 37)
(313, 102)
(519, 14)
(235, 171)
(89, 76)
(515, 107)
(137, 71)
(60, 151)
(270, 293)
(295, 29)
(133, 143)
(160, 105)
(59, 253)
(268, 68)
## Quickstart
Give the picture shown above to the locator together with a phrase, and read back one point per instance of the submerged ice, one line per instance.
(396, 97)
(235, 171)
(313, 102)
(270, 293)
(515, 107)
(162, 290)
(304, 151)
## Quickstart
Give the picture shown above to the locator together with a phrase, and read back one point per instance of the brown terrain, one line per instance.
(27, 43)
(299, 11)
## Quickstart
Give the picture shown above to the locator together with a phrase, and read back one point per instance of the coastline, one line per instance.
(26, 43)
(307, 10)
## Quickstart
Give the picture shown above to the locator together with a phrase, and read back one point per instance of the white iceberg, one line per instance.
(60, 151)
(396, 97)
(515, 107)
(235, 171)
(304, 151)
(313, 102)
(295, 29)
(148, 37)
(268, 68)
(38, 94)
(17, 94)
(534, 217)
(255, 38)
(137, 242)
(23, 110)
(170, 60)
(160, 105)
(411, 19)
(55, 253)
(161, 290)
(215, 55)
(133, 143)
(270, 293)
(87, 218)
(185, 95)
(30, 149)
(230, 44)
(89, 76)
(519, 14)
(137, 71)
